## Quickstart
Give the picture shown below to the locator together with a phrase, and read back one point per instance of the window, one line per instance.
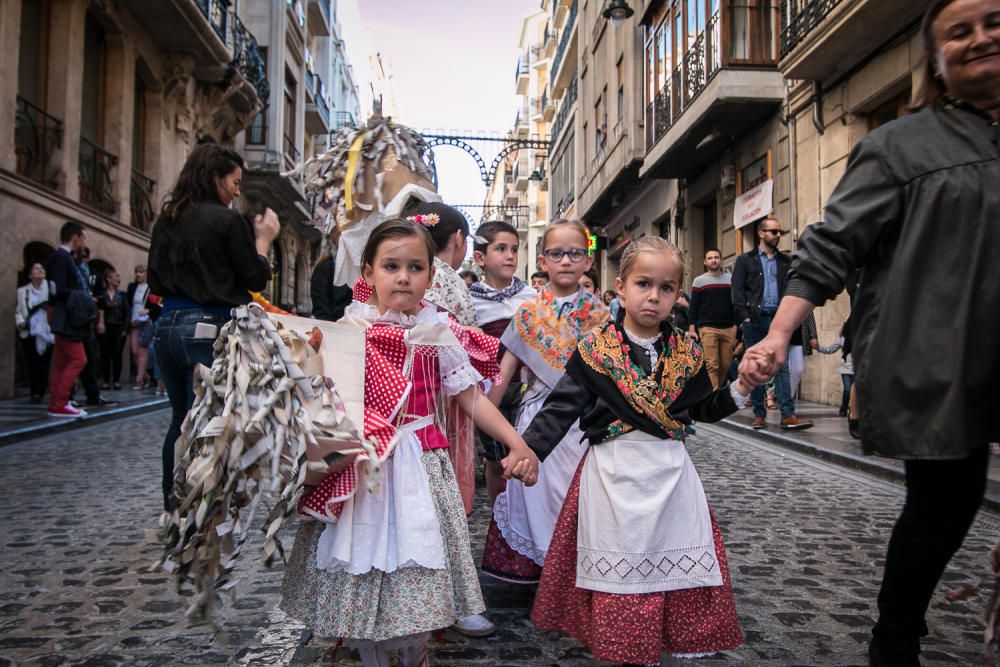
(139, 125)
(888, 111)
(94, 58)
(33, 52)
(256, 134)
(291, 93)
(620, 80)
(585, 146)
(600, 123)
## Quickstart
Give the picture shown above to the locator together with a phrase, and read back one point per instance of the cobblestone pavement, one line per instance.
(806, 544)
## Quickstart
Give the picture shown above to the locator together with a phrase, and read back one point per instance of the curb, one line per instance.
(849, 460)
(43, 428)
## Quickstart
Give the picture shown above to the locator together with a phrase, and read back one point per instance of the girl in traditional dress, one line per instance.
(542, 336)
(636, 566)
(496, 299)
(389, 559)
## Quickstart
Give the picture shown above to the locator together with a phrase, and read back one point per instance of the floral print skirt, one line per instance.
(635, 628)
(378, 606)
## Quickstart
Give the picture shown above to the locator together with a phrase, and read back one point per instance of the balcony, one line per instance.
(725, 85)
(317, 108)
(97, 167)
(345, 119)
(522, 123)
(36, 136)
(521, 174)
(141, 201)
(548, 106)
(560, 12)
(320, 19)
(522, 75)
(564, 63)
(538, 108)
(822, 39)
(248, 61)
(549, 41)
(197, 27)
(568, 104)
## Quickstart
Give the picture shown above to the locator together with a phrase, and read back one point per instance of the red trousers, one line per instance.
(68, 360)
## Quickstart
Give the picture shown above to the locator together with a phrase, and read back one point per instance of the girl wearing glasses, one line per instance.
(541, 337)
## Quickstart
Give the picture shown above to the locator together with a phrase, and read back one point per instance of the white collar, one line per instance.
(369, 313)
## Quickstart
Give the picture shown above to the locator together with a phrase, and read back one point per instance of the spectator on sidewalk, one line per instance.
(140, 326)
(112, 324)
(759, 281)
(711, 316)
(846, 366)
(91, 373)
(804, 340)
(539, 279)
(31, 318)
(204, 259)
(72, 313)
(920, 218)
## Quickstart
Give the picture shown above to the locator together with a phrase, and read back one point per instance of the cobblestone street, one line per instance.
(806, 544)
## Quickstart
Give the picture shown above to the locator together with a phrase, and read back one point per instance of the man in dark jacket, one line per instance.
(68, 317)
(759, 281)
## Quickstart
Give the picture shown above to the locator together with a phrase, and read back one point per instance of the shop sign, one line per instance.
(754, 204)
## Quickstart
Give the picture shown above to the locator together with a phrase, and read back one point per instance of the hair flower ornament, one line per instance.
(427, 219)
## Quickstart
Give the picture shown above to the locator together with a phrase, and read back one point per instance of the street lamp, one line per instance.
(618, 11)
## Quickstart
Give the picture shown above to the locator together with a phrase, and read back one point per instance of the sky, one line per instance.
(452, 67)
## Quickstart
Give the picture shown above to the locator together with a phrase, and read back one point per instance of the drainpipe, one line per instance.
(817, 114)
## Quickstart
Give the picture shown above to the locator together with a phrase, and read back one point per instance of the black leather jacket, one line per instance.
(748, 284)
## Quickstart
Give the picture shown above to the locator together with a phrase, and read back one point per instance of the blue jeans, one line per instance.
(753, 334)
(177, 353)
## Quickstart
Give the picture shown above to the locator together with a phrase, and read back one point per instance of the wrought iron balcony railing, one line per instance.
(345, 119)
(141, 200)
(248, 61)
(217, 13)
(564, 110)
(563, 43)
(321, 103)
(799, 19)
(751, 42)
(311, 83)
(521, 69)
(36, 136)
(96, 177)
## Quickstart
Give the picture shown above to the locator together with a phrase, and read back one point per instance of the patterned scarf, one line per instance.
(484, 291)
(606, 352)
(543, 335)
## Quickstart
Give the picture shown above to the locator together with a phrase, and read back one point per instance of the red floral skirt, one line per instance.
(631, 628)
(502, 562)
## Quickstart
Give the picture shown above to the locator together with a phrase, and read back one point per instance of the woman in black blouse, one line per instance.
(112, 328)
(204, 259)
(917, 212)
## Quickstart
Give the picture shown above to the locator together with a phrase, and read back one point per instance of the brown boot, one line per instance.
(758, 423)
(793, 423)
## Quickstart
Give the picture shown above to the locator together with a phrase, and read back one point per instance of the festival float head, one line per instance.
(369, 174)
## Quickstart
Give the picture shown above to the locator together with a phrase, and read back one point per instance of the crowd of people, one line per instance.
(74, 324)
(577, 402)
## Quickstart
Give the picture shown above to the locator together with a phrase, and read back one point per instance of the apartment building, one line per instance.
(105, 100)
(313, 95)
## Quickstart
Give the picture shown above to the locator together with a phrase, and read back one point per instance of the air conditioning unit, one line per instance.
(728, 179)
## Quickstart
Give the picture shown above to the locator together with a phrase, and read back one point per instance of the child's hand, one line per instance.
(521, 464)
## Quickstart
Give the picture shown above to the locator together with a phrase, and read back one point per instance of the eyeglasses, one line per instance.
(776, 232)
(556, 254)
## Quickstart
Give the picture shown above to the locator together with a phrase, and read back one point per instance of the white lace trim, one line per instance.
(670, 569)
(457, 373)
(739, 399)
(516, 541)
(647, 344)
(368, 312)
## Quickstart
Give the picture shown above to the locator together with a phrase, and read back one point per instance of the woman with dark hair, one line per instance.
(920, 219)
(112, 328)
(450, 230)
(328, 300)
(204, 259)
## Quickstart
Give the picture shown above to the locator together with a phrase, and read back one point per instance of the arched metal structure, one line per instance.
(466, 141)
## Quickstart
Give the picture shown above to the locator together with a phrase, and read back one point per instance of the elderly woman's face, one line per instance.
(967, 34)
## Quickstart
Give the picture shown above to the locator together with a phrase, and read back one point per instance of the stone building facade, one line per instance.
(103, 104)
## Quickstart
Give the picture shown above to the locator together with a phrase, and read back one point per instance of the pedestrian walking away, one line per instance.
(385, 567)
(926, 395)
(636, 493)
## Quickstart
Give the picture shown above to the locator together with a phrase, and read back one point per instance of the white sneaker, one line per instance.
(476, 625)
